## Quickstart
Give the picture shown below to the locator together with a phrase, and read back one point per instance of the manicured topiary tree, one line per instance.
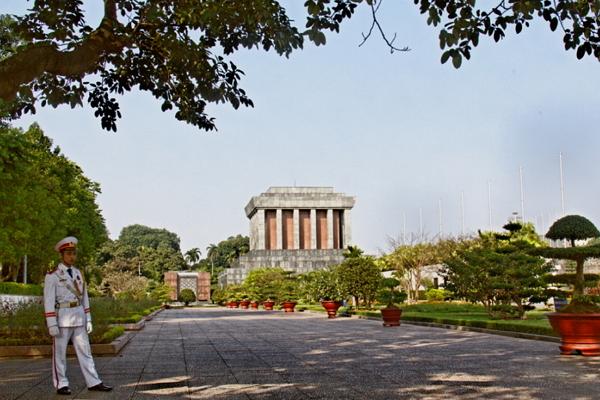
(186, 296)
(572, 228)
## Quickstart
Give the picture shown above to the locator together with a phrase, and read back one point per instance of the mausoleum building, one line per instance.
(299, 229)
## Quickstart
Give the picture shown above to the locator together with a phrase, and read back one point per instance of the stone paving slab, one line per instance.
(213, 353)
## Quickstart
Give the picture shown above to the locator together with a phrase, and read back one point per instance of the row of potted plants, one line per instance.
(578, 323)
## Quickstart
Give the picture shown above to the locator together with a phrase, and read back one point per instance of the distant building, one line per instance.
(198, 282)
(299, 229)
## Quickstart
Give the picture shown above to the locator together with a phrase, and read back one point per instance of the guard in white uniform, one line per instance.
(67, 311)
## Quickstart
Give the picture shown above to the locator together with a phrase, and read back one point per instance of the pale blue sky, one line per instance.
(398, 131)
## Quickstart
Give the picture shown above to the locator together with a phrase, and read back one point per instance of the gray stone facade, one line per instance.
(299, 229)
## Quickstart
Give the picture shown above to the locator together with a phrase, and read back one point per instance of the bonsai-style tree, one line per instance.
(498, 270)
(186, 296)
(573, 228)
(389, 293)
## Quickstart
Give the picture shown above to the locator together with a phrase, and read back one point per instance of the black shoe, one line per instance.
(101, 387)
(63, 390)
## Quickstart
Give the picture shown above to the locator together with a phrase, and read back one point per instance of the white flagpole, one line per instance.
(490, 204)
(462, 213)
(440, 215)
(421, 223)
(403, 228)
(562, 185)
(522, 195)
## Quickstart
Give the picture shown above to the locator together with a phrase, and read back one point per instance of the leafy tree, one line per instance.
(497, 271)
(44, 197)
(359, 277)
(223, 254)
(265, 283)
(137, 236)
(142, 250)
(180, 51)
(409, 260)
(323, 284)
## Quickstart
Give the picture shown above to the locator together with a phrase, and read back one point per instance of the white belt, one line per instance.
(68, 304)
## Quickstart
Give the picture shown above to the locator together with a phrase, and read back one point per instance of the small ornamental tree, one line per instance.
(389, 293)
(321, 285)
(359, 276)
(572, 228)
(498, 271)
(186, 296)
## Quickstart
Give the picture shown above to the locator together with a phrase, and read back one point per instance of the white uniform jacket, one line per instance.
(66, 301)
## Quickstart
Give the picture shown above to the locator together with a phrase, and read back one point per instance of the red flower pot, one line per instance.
(578, 332)
(331, 307)
(268, 305)
(288, 306)
(233, 304)
(254, 305)
(244, 304)
(391, 316)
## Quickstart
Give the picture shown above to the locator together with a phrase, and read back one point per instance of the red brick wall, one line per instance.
(321, 229)
(270, 230)
(287, 230)
(171, 280)
(336, 229)
(305, 229)
(203, 288)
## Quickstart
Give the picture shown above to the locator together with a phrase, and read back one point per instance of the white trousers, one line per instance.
(81, 343)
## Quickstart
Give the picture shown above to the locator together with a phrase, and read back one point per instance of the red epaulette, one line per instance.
(53, 271)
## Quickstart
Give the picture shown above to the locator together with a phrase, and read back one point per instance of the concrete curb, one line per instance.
(45, 350)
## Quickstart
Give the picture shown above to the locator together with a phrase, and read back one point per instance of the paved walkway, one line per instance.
(239, 354)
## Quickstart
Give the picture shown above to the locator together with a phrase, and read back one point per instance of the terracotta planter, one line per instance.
(391, 316)
(331, 307)
(578, 332)
(244, 304)
(288, 306)
(254, 305)
(268, 305)
(233, 304)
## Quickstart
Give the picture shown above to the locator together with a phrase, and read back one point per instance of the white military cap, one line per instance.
(70, 242)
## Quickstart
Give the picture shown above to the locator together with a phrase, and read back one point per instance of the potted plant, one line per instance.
(390, 295)
(268, 304)
(245, 301)
(288, 294)
(329, 291)
(233, 296)
(578, 323)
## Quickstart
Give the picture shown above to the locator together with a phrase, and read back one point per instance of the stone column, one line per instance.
(329, 228)
(313, 229)
(296, 224)
(279, 230)
(260, 215)
(347, 239)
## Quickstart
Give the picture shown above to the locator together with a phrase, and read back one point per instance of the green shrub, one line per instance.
(21, 289)
(437, 294)
(186, 296)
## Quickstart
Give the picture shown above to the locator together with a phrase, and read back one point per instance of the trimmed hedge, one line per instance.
(21, 289)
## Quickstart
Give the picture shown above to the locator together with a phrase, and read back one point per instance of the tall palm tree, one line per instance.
(192, 256)
(211, 249)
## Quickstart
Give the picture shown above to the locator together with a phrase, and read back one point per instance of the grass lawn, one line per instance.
(463, 314)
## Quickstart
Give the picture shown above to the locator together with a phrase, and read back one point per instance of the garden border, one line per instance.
(518, 335)
(45, 350)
